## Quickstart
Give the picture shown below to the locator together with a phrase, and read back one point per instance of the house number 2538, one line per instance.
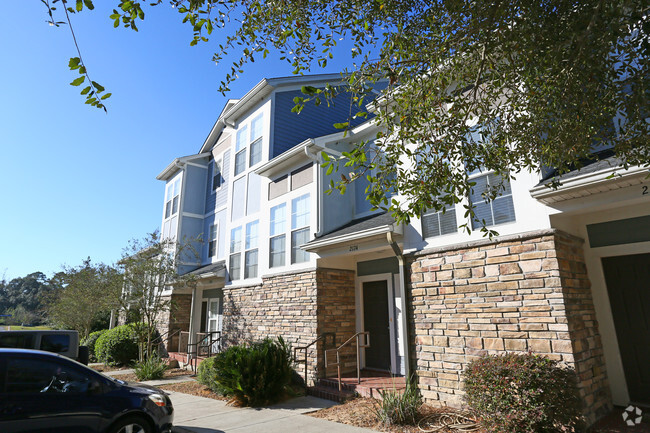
(354, 248)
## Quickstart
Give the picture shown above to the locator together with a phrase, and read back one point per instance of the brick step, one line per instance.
(334, 384)
(330, 393)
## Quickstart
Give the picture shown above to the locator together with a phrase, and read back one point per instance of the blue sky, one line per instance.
(78, 182)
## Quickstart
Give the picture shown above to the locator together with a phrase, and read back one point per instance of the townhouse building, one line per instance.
(567, 276)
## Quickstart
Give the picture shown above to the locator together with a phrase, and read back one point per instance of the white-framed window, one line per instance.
(278, 236)
(256, 140)
(299, 228)
(235, 254)
(251, 141)
(498, 211)
(251, 254)
(217, 176)
(212, 240)
(240, 150)
(438, 223)
(172, 198)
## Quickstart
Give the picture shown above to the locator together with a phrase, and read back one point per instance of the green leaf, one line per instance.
(98, 86)
(80, 5)
(342, 125)
(106, 96)
(74, 62)
(78, 81)
(85, 90)
(89, 4)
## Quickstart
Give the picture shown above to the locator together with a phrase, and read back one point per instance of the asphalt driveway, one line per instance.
(204, 415)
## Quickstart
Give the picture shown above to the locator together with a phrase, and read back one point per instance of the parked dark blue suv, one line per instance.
(45, 392)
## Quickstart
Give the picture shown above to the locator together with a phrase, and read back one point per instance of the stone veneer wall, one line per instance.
(178, 317)
(283, 305)
(297, 306)
(519, 293)
(336, 313)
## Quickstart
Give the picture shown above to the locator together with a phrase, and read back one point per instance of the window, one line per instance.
(439, 223)
(278, 187)
(212, 240)
(172, 198)
(217, 178)
(55, 343)
(278, 236)
(301, 177)
(235, 254)
(299, 228)
(498, 211)
(240, 151)
(256, 141)
(37, 376)
(250, 263)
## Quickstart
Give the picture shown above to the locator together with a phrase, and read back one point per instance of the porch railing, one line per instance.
(205, 342)
(323, 337)
(359, 343)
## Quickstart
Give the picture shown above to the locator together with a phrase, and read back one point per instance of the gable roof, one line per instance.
(360, 228)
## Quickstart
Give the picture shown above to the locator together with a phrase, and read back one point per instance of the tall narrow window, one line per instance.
(217, 178)
(235, 254)
(256, 141)
(173, 198)
(278, 236)
(299, 228)
(498, 211)
(240, 150)
(212, 240)
(250, 269)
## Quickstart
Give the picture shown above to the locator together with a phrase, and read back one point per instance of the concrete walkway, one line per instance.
(194, 414)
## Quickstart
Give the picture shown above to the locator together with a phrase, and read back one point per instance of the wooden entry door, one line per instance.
(628, 286)
(376, 322)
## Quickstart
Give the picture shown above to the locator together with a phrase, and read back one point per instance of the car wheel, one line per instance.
(132, 424)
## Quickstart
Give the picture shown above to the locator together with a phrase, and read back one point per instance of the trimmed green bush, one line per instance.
(255, 374)
(117, 346)
(523, 393)
(206, 375)
(399, 408)
(151, 369)
(91, 341)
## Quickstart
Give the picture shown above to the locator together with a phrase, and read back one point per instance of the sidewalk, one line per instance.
(194, 414)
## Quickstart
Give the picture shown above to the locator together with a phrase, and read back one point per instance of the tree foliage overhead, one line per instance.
(494, 85)
(89, 292)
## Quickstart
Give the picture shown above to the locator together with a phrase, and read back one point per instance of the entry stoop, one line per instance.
(371, 385)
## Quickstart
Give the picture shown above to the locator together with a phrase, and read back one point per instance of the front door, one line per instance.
(376, 323)
(212, 323)
(628, 286)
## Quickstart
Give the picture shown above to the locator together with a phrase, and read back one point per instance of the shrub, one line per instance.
(399, 408)
(523, 393)
(91, 341)
(151, 369)
(117, 346)
(206, 375)
(256, 374)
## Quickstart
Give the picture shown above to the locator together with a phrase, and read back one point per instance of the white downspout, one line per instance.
(403, 306)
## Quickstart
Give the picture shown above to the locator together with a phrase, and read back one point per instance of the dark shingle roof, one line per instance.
(603, 162)
(209, 269)
(359, 225)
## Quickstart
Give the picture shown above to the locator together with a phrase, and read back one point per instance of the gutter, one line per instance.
(403, 304)
(316, 244)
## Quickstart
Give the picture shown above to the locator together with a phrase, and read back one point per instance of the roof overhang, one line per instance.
(287, 159)
(609, 179)
(363, 235)
(177, 164)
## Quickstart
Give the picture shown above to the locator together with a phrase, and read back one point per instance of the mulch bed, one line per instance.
(193, 388)
(172, 372)
(103, 368)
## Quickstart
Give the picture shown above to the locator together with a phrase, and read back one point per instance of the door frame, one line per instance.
(358, 300)
(207, 315)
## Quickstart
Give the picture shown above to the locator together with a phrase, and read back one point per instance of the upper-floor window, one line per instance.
(235, 254)
(246, 140)
(278, 235)
(172, 198)
(212, 240)
(217, 177)
(299, 228)
(498, 211)
(251, 255)
(438, 223)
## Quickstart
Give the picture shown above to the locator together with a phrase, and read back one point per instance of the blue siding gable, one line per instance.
(290, 129)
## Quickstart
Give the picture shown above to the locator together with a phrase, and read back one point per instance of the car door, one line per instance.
(47, 394)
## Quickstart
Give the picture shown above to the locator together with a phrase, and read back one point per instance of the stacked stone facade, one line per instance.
(178, 319)
(521, 293)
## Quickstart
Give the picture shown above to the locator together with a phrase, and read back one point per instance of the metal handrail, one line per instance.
(169, 334)
(323, 336)
(193, 355)
(356, 337)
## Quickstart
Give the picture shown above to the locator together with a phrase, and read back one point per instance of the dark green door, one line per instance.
(375, 321)
(628, 286)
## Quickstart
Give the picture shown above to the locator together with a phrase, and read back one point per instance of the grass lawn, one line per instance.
(28, 328)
